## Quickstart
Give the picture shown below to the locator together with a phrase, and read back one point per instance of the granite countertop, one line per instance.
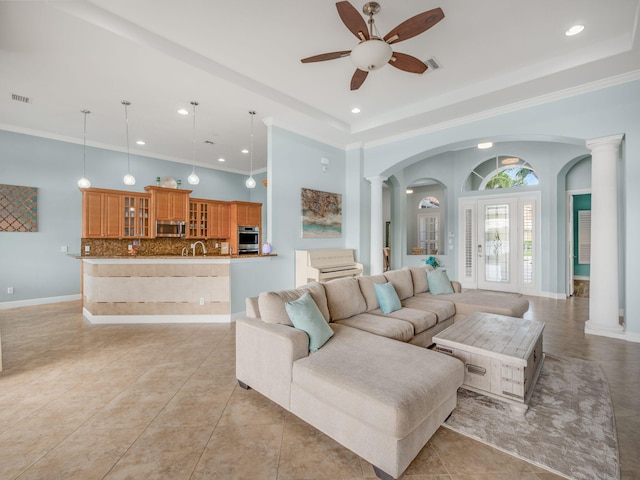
(190, 257)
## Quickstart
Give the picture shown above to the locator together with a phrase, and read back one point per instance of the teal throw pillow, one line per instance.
(305, 315)
(439, 282)
(387, 297)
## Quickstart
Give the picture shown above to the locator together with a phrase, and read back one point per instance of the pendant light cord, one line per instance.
(84, 145)
(193, 154)
(126, 117)
(252, 113)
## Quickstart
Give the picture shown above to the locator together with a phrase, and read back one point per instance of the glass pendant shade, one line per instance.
(129, 179)
(371, 54)
(84, 182)
(193, 179)
(250, 182)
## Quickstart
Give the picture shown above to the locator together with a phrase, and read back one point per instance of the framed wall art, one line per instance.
(18, 208)
(321, 214)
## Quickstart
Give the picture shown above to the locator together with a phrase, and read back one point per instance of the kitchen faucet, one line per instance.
(194, 245)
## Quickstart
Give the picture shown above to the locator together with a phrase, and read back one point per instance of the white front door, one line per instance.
(499, 243)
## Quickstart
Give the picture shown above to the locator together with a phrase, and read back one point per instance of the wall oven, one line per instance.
(248, 240)
(170, 228)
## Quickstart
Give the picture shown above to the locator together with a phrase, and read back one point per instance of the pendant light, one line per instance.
(128, 178)
(193, 179)
(250, 182)
(84, 181)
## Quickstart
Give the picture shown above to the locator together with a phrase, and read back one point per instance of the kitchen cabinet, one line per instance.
(247, 214)
(137, 216)
(208, 219)
(114, 214)
(169, 203)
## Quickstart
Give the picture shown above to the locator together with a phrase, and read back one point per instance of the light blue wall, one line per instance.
(32, 263)
(563, 126)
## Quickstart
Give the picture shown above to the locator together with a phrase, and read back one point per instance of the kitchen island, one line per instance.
(159, 289)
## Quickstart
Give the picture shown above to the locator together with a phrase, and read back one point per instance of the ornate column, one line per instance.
(376, 263)
(603, 280)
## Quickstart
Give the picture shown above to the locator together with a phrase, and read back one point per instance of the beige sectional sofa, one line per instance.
(371, 386)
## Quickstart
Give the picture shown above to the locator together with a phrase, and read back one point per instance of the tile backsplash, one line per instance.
(108, 247)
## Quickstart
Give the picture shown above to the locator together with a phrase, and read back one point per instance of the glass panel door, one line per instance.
(496, 255)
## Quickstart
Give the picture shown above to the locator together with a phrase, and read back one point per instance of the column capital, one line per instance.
(605, 142)
(377, 179)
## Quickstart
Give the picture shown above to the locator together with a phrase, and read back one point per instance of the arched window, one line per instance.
(501, 172)
(429, 202)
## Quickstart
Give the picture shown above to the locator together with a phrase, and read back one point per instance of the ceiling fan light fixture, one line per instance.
(371, 54)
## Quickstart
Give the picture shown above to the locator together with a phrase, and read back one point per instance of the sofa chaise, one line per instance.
(372, 386)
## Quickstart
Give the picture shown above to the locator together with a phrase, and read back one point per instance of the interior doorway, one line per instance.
(579, 245)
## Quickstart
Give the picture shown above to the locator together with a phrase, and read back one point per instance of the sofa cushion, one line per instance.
(443, 309)
(401, 280)
(366, 284)
(419, 278)
(420, 319)
(387, 297)
(381, 325)
(358, 373)
(306, 316)
(470, 301)
(272, 304)
(439, 282)
(344, 298)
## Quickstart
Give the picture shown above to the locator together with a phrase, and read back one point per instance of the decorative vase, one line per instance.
(266, 248)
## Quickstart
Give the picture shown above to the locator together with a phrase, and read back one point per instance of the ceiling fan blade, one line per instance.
(353, 20)
(358, 79)
(414, 26)
(326, 56)
(407, 63)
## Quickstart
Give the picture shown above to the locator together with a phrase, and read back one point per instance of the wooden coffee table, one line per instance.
(502, 355)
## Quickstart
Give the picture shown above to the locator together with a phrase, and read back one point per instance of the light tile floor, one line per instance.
(82, 401)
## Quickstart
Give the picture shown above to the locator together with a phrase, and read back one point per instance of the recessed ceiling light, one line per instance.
(355, 110)
(575, 30)
(244, 150)
(409, 191)
(485, 145)
(140, 142)
(221, 159)
(183, 111)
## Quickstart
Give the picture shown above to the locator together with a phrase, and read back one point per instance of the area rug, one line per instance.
(569, 428)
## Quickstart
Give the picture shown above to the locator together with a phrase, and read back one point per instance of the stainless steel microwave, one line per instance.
(170, 228)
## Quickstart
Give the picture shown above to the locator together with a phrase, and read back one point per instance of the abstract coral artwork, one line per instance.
(321, 214)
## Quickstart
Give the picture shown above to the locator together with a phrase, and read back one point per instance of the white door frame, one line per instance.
(468, 239)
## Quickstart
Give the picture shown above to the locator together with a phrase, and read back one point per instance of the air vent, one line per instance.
(432, 63)
(20, 98)
(209, 142)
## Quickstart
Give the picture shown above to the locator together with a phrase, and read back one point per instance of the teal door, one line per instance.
(581, 263)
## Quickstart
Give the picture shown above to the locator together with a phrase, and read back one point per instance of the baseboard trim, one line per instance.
(39, 301)
(553, 295)
(126, 319)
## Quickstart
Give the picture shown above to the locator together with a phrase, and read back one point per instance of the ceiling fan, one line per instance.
(374, 52)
